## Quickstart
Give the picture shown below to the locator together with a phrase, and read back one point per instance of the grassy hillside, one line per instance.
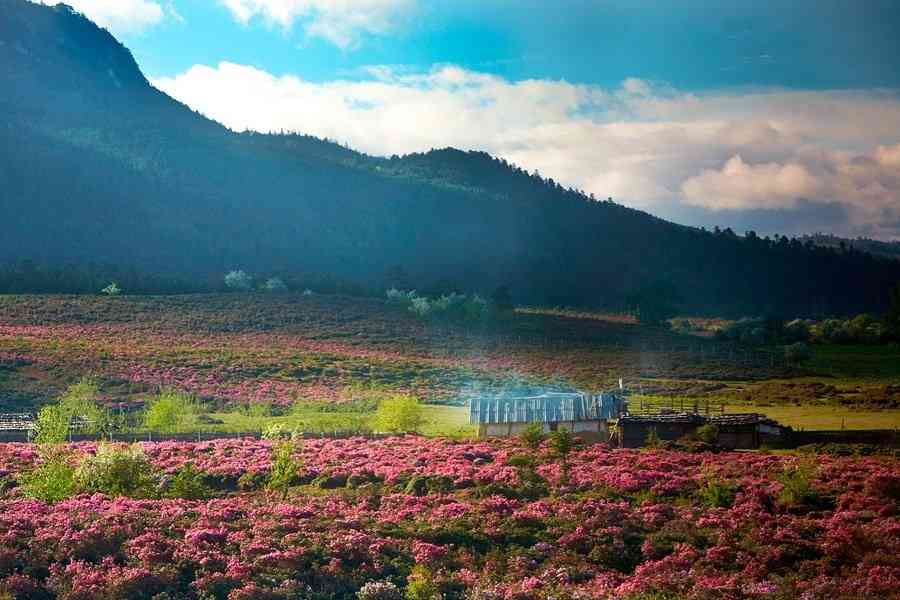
(237, 349)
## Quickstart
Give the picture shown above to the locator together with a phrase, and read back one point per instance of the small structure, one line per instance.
(747, 430)
(735, 431)
(579, 412)
(633, 430)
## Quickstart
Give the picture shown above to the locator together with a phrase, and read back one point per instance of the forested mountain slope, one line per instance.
(99, 167)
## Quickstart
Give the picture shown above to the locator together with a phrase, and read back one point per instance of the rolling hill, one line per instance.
(100, 168)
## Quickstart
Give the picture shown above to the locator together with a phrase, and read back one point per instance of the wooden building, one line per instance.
(633, 430)
(734, 431)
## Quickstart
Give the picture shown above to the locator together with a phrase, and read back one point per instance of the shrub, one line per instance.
(53, 479)
(797, 486)
(171, 412)
(379, 590)
(238, 280)
(285, 467)
(652, 440)
(716, 493)
(708, 433)
(395, 296)
(420, 585)
(532, 436)
(274, 285)
(797, 353)
(188, 483)
(112, 289)
(399, 414)
(562, 442)
(116, 471)
(77, 407)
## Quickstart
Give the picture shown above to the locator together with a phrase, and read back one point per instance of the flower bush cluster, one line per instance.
(279, 348)
(421, 518)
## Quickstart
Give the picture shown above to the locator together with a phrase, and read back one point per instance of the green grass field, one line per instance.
(439, 420)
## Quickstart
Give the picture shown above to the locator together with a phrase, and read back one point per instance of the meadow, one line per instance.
(284, 350)
(424, 518)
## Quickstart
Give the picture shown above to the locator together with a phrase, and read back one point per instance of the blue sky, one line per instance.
(775, 116)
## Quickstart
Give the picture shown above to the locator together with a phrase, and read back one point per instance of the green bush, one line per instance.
(76, 408)
(116, 471)
(716, 493)
(171, 412)
(532, 436)
(420, 585)
(797, 487)
(399, 414)
(653, 440)
(708, 433)
(188, 483)
(285, 467)
(53, 479)
(562, 442)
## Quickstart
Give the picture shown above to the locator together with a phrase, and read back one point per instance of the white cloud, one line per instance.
(341, 22)
(646, 145)
(739, 186)
(119, 16)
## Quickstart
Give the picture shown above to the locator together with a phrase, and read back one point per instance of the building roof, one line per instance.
(662, 418)
(741, 419)
(549, 407)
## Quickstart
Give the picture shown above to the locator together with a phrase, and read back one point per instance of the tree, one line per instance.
(170, 412)
(656, 303)
(502, 300)
(532, 436)
(274, 285)
(399, 414)
(112, 289)
(238, 280)
(892, 316)
(77, 406)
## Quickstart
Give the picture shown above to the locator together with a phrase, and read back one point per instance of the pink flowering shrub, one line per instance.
(411, 515)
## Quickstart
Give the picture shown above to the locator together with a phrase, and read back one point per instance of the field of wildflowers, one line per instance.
(281, 348)
(438, 518)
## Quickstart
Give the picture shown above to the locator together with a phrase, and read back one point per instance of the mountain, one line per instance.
(100, 168)
(876, 247)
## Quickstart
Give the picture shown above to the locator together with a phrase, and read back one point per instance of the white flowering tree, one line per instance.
(238, 280)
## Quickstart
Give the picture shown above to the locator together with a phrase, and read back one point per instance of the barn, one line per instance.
(579, 412)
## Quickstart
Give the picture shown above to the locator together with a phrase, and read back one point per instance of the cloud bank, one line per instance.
(119, 16)
(342, 22)
(718, 154)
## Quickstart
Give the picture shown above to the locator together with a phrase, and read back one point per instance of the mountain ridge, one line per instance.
(102, 167)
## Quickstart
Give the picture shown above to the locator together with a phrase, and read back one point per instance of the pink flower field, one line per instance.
(442, 518)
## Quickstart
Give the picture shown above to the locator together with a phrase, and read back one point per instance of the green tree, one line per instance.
(78, 406)
(285, 466)
(399, 414)
(53, 479)
(171, 412)
(892, 316)
(502, 299)
(656, 303)
(112, 289)
(116, 471)
(532, 436)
